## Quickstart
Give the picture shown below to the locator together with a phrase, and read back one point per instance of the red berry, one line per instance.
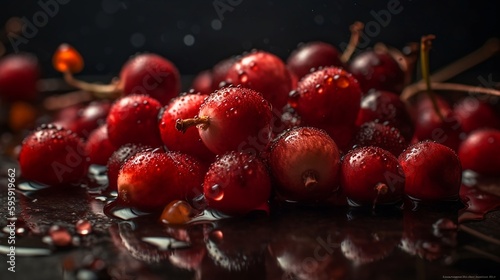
(312, 56)
(386, 106)
(83, 120)
(265, 73)
(202, 83)
(433, 171)
(237, 183)
(152, 75)
(19, 75)
(134, 119)
(380, 135)
(372, 176)
(189, 142)
(480, 152)
(149, 180)
(117, 159)
(377, 70)
(305, 162)
(219, 72)
(430, 126)
(98, 147)
(473, 114)
(233, 118)
(328, 99)
(53, 156)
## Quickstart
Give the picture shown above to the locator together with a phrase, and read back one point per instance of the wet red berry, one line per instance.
(233, 118)
(19, 74)
(183, 107)
(480, 152)
(98, 147)
(433, 172)
(305, 162)
(53, 157)
(237, 183)
(377, 70)
(328, 99)
(83, 120)
(372, 176)
(312, 56)
(265, 73)
(117, 159)
(380, 135)
(385, 106)
(134, 119)
(473, 114)
(152, 75)
(149, 180)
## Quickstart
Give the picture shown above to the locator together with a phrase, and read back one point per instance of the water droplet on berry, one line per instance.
(243, 77)
(215, 192)
(319, 89)
(60, 236)
(342, 81)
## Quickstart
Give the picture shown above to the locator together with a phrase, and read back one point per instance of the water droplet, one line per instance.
(60, 236)
(83, 227)
(215, 192)
(342, 81)
(319, 89)
(243, 77)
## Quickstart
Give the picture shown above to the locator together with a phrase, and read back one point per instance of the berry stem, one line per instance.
(458, 88)
(310, 179)
(425, 46)
(183, 125)
(100, 91)
(356, 28)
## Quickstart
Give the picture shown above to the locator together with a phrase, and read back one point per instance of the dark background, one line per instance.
(107, 32)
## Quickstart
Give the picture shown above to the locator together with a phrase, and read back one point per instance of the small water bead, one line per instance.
(60, 236)
(216, 192)
(342, 81)
(83, 227)
(319, 89)
(177, 212)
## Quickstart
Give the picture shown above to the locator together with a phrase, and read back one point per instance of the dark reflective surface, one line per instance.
(294, 242)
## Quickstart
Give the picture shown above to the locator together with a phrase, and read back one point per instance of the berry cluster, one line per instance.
(317, 129)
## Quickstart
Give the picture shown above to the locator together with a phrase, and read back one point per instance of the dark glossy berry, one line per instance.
(202, 83)
(19, 75)
(237, 183)
(98, 147)
(473, 114)
(433, 172)
(372, 176)
(377, 70)
(305, 162)
(118, 158)
(219, 72)
(264, 73)
(134, 119)
(152, 75)
(83, 120)
(386, 106)
(328, 99)
(312, 56)
(183, 107)
(380, 135)
(53, 156)
(480, 152)
(233, 118)
(149, 180)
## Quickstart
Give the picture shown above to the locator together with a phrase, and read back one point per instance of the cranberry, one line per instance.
(219, 72)
(98, 146)
(19, 75)
(380, 135)
(265, 73)
(312, 56)
(372, 176)
(152, 75)
(134, 119)
(305, 162)
(189, 142)
(53, 156)
(480, 152)
(149, 180)
(202, 83)
(377, 70)
(433, 171)
(232, 118)
(117, 159)
(474, 114)
(83, 120)
(237, 183)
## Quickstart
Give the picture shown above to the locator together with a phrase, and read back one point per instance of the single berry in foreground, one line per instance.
(237, 183)
(433, 172)
(372, 176)
(305, 163)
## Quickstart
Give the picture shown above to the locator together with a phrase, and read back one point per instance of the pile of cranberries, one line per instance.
(257, 130)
